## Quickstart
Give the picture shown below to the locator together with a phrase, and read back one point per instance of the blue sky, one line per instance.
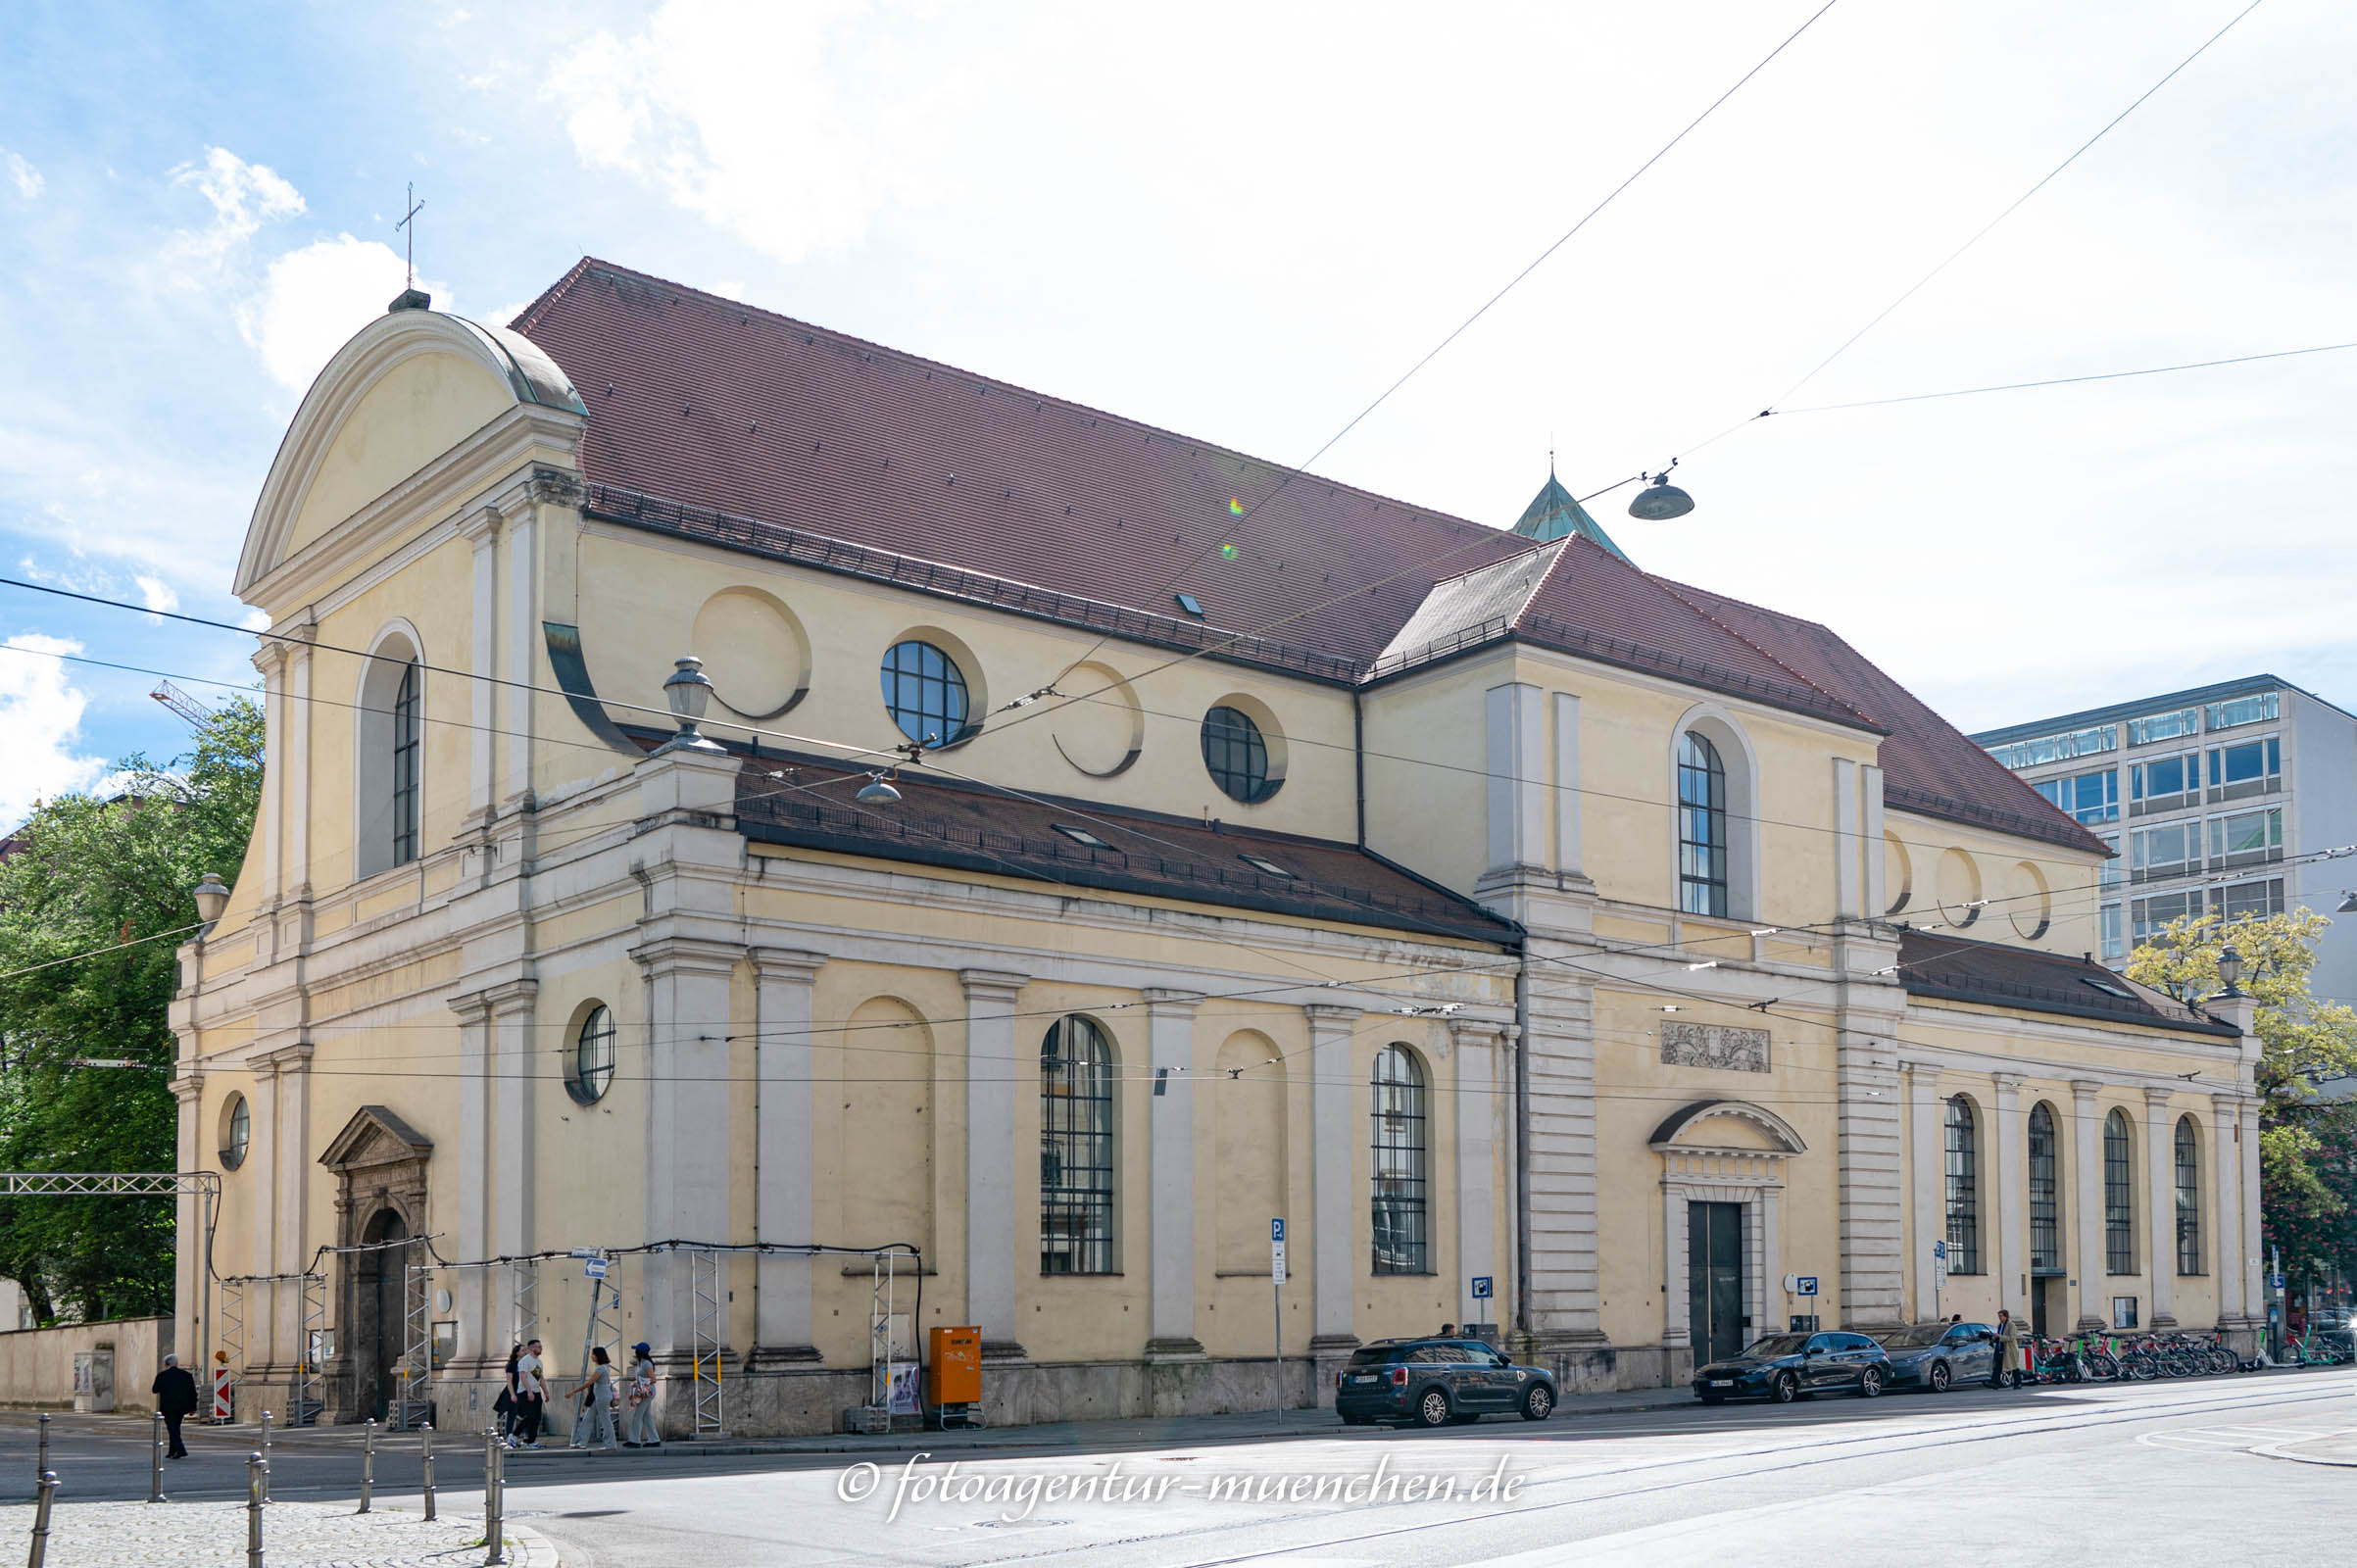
(1243, 221)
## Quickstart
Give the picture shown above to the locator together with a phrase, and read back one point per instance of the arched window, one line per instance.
(1399, 1163)
(1237, 754)
(1701, 827)
(589, 1066)
(924, 692)
(236, 1133)
(2119, 1197)
(1963, 1187)
(1076, 1149)
(2045, 1246)
(2189, 1199)
(390, 773)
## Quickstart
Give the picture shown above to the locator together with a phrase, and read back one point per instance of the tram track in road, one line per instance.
(1879, 1443)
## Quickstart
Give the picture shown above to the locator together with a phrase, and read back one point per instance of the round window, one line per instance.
(1237, 754)
(590, 1067)
(236, 1133)
(924, 692)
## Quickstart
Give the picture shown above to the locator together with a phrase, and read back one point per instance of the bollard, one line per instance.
(425, 1461)
(154, 1464)
(494, 1483)
(368, 1461)
(40, 1516)
(258, 1492)
(41, 1466)
(266, 1456)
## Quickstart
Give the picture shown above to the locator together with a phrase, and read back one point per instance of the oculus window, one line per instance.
(236, 1133)
(924, 692)
(1236, 754)
(589, 1066)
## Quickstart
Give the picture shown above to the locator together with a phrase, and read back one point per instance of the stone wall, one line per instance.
(37, 1365)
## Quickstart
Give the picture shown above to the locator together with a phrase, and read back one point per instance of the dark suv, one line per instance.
(1431, 1383)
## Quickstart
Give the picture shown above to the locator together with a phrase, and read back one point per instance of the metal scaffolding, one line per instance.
(311, 1383)
(203, 1185)
(709, 1295)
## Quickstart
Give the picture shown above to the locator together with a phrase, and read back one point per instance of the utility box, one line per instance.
(95, 1380)
(957, 1369)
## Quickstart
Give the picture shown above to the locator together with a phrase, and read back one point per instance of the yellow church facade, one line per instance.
(1095, 846)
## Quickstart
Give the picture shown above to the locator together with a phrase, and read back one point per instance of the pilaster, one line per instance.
(480, 530)
(1926, 1198)
(1867, 1011)
(1333, 1236)
(782, 1136)
(687, 1177)
(991, 1158)
(1171, 1152)
(2010, 1249)
(2160, 1206)
(2228, 1245)
(1481, 1101)
(2086, 1216)
(473, 1286)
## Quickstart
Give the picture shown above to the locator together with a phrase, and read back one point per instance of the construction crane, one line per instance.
(179, 702)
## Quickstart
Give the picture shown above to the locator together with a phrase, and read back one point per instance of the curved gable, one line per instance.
(410, 386)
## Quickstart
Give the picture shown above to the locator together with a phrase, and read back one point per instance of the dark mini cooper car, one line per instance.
(1784, 1366)
(1939, 1355)
(1431, 1383)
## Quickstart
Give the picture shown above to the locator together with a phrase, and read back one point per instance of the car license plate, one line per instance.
(1365, 1376)
(1722, 1383)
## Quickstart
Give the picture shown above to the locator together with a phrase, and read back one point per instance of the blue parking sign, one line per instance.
(1481, 1287)
(1276, 1230)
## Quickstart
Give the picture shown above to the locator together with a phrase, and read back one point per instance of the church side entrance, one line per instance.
(1714, 1280)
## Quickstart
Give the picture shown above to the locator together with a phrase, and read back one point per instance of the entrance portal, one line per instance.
(1714, 1280)
(381, 1289)
(380, 1164)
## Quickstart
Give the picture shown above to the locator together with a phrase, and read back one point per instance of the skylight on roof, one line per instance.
(1190, 603)
(1271, 867)
(1081, 835)
(2108, 989)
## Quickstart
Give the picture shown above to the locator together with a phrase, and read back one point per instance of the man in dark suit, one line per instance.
(175, 1398)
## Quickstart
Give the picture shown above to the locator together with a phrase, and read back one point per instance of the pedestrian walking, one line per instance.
(2009, 1352)
(505, 1405)
(595, 1428)
(639, 1430)
(531, 1396)
(174, 1390)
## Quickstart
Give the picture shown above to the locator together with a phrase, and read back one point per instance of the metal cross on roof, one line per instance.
(410, 255)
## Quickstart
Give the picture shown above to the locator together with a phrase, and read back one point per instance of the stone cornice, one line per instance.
(786, 964)
(684, 954)
(991, 985)
(1163, 1003)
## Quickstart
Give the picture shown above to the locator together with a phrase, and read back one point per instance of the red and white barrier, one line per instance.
(220, 1394)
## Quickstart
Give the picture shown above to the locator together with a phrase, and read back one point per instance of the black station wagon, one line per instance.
(1432, 1383)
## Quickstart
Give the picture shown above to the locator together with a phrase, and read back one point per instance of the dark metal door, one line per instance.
(1714, 1280)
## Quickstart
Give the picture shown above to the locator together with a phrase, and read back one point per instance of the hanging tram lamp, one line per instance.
(1659, 500)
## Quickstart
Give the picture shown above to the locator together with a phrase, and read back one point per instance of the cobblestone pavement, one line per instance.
(295, 1535)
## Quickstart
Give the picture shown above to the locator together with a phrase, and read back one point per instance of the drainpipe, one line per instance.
(1358, 759)
(1522, 1140)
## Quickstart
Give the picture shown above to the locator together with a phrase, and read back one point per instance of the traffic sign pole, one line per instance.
(1276, 1273)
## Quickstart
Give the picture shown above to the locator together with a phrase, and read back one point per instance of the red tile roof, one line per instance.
(724, 421)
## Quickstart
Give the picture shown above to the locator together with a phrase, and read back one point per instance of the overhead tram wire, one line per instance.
(1979, 234)
(2066, 381)
(1299, 470)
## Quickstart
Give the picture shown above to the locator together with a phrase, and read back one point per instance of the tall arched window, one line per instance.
(1963, 1189)
(1399, 1163)
(2119, 1197)
(1701, 827)
(389, 756)
(2045, 1246)
(1076, 1149)
(2189, 1199)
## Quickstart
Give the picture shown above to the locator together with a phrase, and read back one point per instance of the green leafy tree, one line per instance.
(2307, 1146)
(94, 896)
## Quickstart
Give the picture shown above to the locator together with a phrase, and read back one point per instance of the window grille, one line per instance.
(2045, 1247)
(591, 1066)
(1237, 754)
(405, 768)
(2189, 1199)
(1701, 827)
(1963, 1189)
(2119, 1197)
(1076, 1149)
(924, 692)
(1402, 1237)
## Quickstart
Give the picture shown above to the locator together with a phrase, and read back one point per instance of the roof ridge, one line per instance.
(590, 263)
(1439, 583)
(1683, 588)
(1673, 590)
(550, 294)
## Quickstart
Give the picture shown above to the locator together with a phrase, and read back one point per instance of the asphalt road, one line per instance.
(2152, 1473)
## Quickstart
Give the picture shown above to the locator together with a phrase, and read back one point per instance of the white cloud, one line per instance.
(156, 593)
(244, 197)
(41, 712)
(314, 298)
(738, 111)
(29, 184)
(256, 621)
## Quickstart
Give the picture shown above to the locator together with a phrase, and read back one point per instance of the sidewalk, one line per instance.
(1124, 1432)
(2327, 1447)
(295, 1535)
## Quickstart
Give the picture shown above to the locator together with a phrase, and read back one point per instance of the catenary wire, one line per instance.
(2062, 380)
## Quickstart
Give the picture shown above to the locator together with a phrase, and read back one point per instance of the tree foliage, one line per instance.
(2307, 1146)
(94, 898)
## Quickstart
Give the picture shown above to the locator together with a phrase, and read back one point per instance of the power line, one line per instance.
(2057, 380)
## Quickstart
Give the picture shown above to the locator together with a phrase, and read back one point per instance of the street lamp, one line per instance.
(2230, 970)
(1659, 500)
(689, 694)
(876, 791)
(212, 896)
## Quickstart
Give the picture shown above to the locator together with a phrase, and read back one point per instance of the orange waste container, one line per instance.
(957, 1370)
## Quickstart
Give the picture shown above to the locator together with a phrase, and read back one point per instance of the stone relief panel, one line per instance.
(1714, 1044)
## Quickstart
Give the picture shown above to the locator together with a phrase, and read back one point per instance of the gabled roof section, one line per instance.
(1929, 766)
(705, 402)
(1553, 514)
(1476, 606)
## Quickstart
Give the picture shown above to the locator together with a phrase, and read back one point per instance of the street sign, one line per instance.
(593, 1268)
(1805, 1285)
(586, 1252)
(1276, 1250)
(1940, 1265)
(2274, 1282)
(1481, 1287)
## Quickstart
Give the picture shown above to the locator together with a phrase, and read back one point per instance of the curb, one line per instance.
(2280, 1451)
(532, 1548)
